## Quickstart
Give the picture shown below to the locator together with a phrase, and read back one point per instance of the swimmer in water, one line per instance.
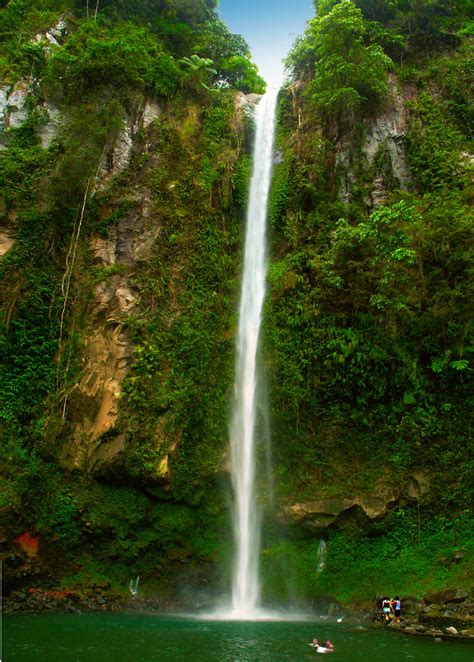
(326, 647)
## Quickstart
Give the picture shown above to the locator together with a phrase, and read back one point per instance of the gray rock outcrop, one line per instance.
(319, 514)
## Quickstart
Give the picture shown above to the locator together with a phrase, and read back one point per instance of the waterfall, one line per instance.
(133, 586)
(322, 552)
(246, 520)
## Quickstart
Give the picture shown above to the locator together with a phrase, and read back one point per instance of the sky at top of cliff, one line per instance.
(270, 28)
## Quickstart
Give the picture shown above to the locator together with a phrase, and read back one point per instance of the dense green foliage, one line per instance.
(368, 324)
(349, 46)
(346, 73)
(402, 556)
(144, 45)
(183, 359)
(368, 327)
(193, 172)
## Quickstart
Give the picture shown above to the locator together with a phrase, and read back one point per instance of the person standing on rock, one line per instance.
(386, 608)
(397, 608)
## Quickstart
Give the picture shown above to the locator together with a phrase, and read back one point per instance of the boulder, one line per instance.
(409, 603)
(439, 621)
(418, 486)
(320, 514)
(93, 405)
(107, 454)
(448, 595)
(16, 111)
(6, 240)
(317, 514)
(325, 604)
(246, 102)
(375, 507)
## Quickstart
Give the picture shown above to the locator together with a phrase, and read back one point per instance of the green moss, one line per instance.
(352, 326)
(400, 558)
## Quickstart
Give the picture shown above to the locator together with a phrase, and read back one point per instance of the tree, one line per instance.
(198, 71)
(240, 73)
(349, 76)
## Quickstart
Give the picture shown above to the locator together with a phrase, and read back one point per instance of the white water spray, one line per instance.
(245, 585)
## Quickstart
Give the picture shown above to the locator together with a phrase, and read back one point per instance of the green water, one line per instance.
(127, 638)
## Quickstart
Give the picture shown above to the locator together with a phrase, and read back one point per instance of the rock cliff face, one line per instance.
(316, 516)
(94, 403)
(13, 115)
(92, 409)
(137, 245)
(383, 151)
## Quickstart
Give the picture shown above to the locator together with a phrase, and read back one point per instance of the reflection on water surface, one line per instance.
(133, 638)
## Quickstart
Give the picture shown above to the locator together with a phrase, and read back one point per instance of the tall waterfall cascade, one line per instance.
(246, 519)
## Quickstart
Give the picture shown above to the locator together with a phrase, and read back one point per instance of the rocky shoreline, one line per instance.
(447, 614)
(93, 599)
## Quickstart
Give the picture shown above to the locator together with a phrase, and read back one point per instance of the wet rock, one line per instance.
(54, 36)
(334, 609)
(16, 112)
(325, 604)
(117, 159)
(48, 131)
(409, 604)
(437, 621)
(419, 485)
(448, 595)
(451, 630)
(246, 102)
(449, 614)
(151, 112)
(7, 239)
